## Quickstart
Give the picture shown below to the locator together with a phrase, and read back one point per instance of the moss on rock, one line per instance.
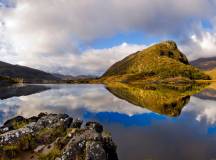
(53, 136)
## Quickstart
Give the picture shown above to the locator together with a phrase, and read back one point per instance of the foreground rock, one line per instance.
(55, 137)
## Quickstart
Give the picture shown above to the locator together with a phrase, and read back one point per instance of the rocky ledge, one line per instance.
(55, 137)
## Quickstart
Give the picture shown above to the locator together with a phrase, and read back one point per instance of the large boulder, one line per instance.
(55, 136)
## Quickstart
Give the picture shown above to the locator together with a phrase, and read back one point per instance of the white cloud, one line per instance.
(47, 34)
(199, 45)
(203, 109)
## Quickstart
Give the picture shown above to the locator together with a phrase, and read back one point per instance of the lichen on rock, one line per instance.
(55, 137)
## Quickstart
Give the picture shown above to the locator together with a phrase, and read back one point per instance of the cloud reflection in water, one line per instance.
(138, 132)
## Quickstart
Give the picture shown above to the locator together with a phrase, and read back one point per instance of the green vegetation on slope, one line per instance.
(159, 61)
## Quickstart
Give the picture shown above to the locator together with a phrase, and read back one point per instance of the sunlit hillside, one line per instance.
(163, 60)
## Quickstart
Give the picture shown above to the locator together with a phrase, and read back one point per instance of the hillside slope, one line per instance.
(25, 73)
(211, 73)
(205, 63)
(161, 61)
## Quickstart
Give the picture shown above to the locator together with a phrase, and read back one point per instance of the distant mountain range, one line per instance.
(71, 77)
(205, 63)
(25, 73)
(15, 73)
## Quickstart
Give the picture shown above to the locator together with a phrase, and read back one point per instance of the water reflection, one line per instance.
(20, 90)
(207, 94)
(152, 136)
(140, 130)
(72, 99)
(157, 98)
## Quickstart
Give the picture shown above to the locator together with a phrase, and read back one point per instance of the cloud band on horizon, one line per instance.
(57, 35)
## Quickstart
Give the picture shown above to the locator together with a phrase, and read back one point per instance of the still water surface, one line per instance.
(139, 132)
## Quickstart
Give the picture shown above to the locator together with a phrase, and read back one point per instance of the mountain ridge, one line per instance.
(24, 73)
(205, 63)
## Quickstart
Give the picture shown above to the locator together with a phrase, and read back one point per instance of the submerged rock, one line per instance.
(55, 137)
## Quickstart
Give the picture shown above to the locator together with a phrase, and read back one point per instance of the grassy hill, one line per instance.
(160, 61)
(24, 73)
(212, 73)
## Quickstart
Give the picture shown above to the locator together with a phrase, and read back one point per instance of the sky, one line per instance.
(86, 37)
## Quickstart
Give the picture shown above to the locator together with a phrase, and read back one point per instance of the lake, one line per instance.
(180, 129)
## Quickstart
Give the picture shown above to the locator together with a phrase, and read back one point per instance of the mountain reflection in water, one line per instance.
(142, 119)
(157, 98)
(20, 90)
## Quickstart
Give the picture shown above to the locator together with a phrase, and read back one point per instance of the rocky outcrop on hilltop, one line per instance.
(157, 62)
(55, 137)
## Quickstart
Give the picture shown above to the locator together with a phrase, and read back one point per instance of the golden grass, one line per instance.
(212, 74)
(212, 86)
(205, 81)
(160, 60)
